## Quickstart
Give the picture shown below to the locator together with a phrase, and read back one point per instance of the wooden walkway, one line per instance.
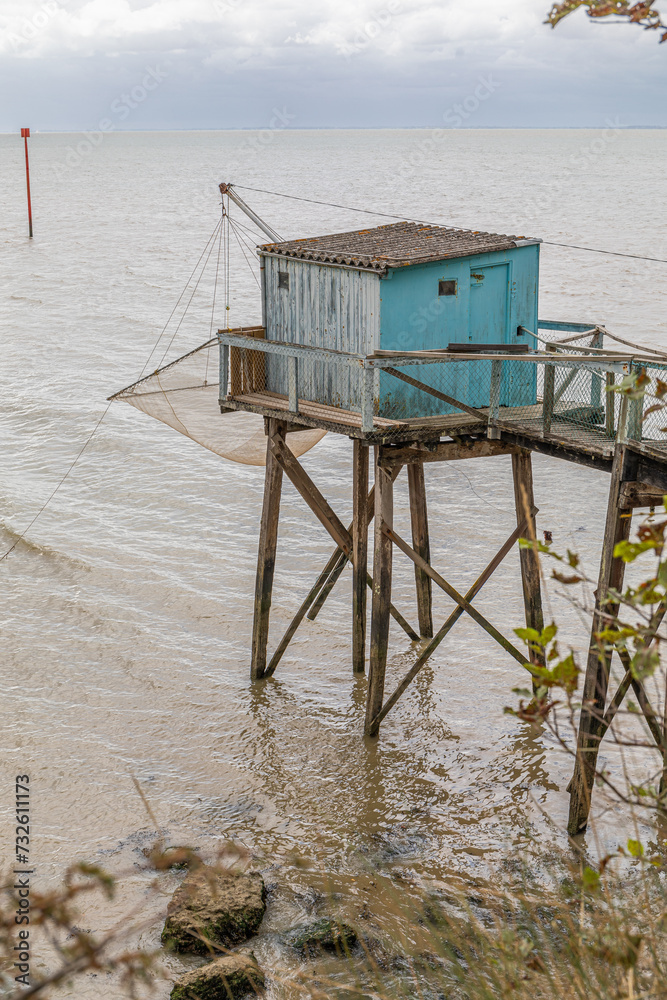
(638, 479)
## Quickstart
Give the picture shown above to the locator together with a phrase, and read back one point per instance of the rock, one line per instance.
(329, 935)
(224, 908)
(225, 979)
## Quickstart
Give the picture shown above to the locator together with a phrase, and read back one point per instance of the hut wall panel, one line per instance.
(495, 294)
(330, 307)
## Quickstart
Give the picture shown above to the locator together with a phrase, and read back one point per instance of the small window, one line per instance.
(447, 287)
(283, 279)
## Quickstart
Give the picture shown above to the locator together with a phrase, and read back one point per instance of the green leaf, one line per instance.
(564, 674)
(629, 551)
(528, 634)
(645, 663)
(548, 633)
(590, 878)
(635, 849)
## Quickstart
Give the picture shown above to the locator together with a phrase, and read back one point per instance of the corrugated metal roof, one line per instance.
(396, 245)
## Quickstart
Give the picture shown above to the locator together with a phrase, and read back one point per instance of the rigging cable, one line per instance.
(50, 498)
(241, 246)
(210, 242)
(164, 328)
(194, 292)
(402, 218)
(219, 230)
(215, 289)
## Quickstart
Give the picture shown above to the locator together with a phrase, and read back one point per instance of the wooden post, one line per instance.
(594, 699)
(359, 555)
(421, 545)
(382, 560)
(266, 559)
(524, 500)
(494, 399)
(610, 406)
(548, 393)
(663, 780)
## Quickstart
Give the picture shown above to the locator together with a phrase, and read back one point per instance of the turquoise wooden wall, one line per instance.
(495, 293)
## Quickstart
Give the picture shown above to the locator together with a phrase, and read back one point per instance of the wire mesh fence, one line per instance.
(587, 398)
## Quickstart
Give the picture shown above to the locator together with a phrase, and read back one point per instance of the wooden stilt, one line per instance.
(663, 779)
(360, 555)
(430, 649)
(524, 500)
(454, 594)
(382, 563)
(421, 545)
(266, 559)
(334, 577)
(591, 722)
(301, 614)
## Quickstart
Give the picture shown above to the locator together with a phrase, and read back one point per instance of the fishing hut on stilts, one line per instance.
(422, 344)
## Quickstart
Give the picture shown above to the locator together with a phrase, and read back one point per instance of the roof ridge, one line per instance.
(395, 244)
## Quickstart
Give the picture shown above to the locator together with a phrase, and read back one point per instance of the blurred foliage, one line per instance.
(636, 13)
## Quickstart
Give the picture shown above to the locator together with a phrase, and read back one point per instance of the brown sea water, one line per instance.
(126, 612)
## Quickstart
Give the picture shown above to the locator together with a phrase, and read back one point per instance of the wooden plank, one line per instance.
(454, 594)
(524, 502)
(338, 569)
(382, 566)
(307, 408)
(644, 703)
(444, 451)
(428, 652)
(559, 449)
(334, 577)
(360, 469)
(662, 804)
(640, 495)
(434, 392)
(653, 472)
(326, 515)
(310, 493)
(610, 406)
(266, 558)
(421, 544)
(301, 614)
(596, 683)
(493, 431)
(548, 394)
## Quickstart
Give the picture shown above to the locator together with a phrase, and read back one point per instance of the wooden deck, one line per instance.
(522, 427)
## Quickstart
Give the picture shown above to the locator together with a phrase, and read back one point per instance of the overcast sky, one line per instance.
(71, 64)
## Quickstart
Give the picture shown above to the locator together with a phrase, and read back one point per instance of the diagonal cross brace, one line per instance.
(340, 534)
(438, 395)
(310, 493)
(430, 649)
(321, 590)
(454, 594)
(631, 681)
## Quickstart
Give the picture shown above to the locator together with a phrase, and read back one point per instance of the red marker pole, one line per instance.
(25, 135)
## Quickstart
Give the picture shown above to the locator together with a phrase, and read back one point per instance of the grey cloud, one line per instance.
(332, 64)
